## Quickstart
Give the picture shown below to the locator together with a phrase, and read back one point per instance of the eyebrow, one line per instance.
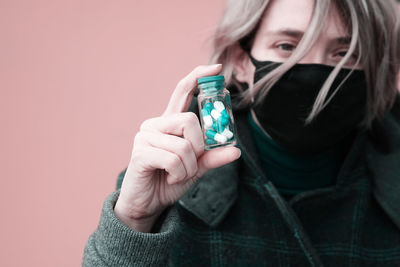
(299, 34)
(343, 40)
(288, 32)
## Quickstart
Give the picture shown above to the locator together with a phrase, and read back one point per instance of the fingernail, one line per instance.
(216, 66)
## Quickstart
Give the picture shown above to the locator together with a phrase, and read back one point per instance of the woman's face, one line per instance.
(282, 28)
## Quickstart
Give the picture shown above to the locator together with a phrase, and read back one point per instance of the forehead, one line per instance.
(297, 14)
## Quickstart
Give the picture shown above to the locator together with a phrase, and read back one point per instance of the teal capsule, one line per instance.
(210, 141)
(218, 127)
(223, 120)
(208, 106)
(225, 114)
(216, 136)
(210, 133)
(205, 112)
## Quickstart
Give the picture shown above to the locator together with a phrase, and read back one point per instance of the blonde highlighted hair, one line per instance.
(373, 25)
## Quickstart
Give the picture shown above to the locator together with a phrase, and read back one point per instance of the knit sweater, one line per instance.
(234, 216)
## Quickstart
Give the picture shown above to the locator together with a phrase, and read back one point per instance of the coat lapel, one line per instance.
(211, 197)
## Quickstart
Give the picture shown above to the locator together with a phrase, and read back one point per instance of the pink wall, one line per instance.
(77, 78)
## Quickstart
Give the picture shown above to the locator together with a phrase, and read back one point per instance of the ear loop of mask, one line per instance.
(258, 64)
(250, 88)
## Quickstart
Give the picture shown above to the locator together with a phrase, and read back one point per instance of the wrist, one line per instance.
(141, 223)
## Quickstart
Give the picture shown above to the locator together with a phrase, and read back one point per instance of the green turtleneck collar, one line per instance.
(291, 173)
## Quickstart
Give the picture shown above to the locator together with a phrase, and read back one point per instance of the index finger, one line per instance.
(183, 93)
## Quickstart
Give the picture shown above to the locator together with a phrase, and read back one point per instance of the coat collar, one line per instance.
(383, 159)
(212, 196)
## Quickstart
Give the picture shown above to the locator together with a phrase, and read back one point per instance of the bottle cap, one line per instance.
(217, 78)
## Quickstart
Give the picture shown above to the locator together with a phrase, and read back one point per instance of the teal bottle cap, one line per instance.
(218, 78)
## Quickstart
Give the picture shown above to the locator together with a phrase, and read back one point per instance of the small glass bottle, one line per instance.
(215, 110)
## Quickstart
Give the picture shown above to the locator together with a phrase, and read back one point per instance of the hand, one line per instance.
(168, 157)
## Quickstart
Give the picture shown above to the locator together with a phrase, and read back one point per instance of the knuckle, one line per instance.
(146, 124)
(192, 75)
(201, 146)
(173, 162)
(185, 147)
(138, 138)
(135, 157)
(181, 83)
(198, 69)
(193, 171)
(207, 161)
(191, 118)
(143, 125)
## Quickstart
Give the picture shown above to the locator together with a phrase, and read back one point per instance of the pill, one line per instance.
(228, 134)
(219, 106)
(222, 130)
(215, 114)
(210, 141)
(225, 114)
(208, 106)
(207, 119)
(219, 118)
(216, 136)
(223, 120)
(218, 127)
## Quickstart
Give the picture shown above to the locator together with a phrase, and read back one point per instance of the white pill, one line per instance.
(219, 106)
(220, 138)
(208, 121)
(215, 114)
(227, 133)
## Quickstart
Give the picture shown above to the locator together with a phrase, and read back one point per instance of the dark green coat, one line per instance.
(233, 216)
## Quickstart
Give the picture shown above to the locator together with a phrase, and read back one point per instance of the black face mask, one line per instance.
(283, 111)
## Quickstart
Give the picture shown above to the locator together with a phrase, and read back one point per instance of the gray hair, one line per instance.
(374, 33)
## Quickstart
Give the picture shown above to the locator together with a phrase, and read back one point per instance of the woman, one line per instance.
(316, 179)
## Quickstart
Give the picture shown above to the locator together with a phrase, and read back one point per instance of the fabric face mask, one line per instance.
(283, 111)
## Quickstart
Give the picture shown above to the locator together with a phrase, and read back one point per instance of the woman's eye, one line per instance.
(344, 52)
(338, 56)
(286, 47)
(341, 53)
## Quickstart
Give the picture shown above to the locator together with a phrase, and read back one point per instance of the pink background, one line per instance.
(77, 78)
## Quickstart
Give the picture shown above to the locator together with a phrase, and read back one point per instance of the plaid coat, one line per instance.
(234, 216)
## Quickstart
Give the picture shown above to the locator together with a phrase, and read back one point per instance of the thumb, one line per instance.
(215, 158)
